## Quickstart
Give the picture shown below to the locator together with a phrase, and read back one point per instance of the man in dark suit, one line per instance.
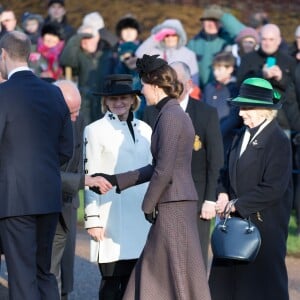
(72, 176)
(207, 156)
(35, 140)
(73, 179)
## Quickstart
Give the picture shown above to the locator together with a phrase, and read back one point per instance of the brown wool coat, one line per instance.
(171, 265)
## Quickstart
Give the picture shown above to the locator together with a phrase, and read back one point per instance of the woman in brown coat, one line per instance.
(170, 266)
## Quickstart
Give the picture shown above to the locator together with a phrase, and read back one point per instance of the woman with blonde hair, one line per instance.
(116, 143)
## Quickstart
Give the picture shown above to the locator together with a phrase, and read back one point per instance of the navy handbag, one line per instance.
(235, 238)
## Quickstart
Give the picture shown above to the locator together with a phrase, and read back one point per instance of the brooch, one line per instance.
(111, 116)
(197, 143)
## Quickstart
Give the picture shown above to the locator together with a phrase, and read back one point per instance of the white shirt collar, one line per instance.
(184, 102)
(24, 68)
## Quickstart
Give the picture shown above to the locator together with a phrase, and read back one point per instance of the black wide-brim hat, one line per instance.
(118, 84)
(257, 92)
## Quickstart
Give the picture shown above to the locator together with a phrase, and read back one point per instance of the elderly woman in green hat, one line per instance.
(258, 174)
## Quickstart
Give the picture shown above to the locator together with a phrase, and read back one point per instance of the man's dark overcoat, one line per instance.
(252, 65)
(35, 140)
(72, 178)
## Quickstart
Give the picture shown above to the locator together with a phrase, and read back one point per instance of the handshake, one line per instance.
(101, 183)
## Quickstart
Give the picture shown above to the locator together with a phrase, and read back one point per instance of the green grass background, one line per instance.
(293, 243)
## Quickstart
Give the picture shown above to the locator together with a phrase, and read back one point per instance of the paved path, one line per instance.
(87, 274)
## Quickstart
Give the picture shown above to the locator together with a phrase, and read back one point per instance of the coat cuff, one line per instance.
(92, 221)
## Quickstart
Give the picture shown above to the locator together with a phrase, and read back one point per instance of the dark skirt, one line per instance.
(117, 268)
(171, 265)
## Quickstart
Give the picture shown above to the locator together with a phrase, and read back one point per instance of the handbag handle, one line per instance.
(226, 213)
(228, 207)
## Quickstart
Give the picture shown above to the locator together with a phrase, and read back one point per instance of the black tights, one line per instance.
(113, 287)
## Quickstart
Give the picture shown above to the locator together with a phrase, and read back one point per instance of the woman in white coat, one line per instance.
(115, 143)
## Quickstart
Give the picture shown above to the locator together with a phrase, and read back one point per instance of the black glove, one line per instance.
(151, 218)
(95, 189)
(296, 139)
(111, 178)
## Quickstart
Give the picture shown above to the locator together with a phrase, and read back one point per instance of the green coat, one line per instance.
(91, 70)
(207, 46)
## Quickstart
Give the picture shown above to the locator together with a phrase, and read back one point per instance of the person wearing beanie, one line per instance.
(44, 61)
(127, 60)
(91, 60)
(60, 2)
(247, 32)
(32, 24)
(95, 20)
(219, 29)
(128, 29)
(246, 41)
(126, 64)
(57, 14)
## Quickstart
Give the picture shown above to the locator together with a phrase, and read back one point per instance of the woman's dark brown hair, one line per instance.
(155, 71)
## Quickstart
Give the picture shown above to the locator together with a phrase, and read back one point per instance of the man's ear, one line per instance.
(189, 85)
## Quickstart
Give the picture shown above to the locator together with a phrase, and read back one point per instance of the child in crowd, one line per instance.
(126, 64)
(32, 24)
(128, 29)
(44, 61)
(219, 91)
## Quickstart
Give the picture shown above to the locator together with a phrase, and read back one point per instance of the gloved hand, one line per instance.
(296, 139)
(151, 218)
(95, 189)
(111, 178)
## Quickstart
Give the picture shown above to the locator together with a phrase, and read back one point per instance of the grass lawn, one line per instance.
(293, 243)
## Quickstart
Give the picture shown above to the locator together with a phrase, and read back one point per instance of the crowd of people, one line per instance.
(160, 134)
